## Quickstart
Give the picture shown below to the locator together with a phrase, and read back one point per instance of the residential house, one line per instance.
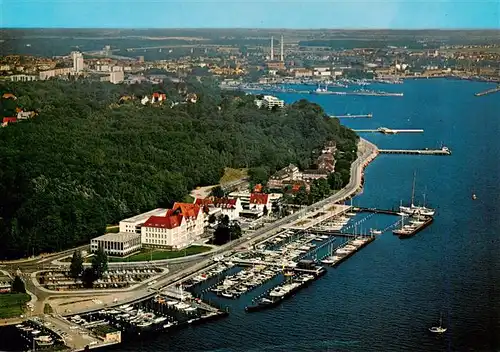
(9, 96)
(178, 228)
(192, 98)
(8, 120)
(226, 206)
(260, 201)
(25, 115)
(270, 102)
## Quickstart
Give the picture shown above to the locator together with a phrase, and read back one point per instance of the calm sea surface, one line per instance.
(385, 297)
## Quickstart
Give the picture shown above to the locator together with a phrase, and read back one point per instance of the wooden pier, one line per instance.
(489, 91)
(386, 130)
(442, 151)
(377, 211)
(368, 116)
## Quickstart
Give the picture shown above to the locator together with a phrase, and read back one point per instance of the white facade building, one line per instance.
(269, 102)
(225, 206)
(180, 227)
(133, 224)
(117, 244)
(23, 78)
(116, 77)
(77, 61)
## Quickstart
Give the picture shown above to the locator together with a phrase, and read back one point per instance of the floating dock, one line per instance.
(368, 116)
(442, 151)
(270, 301)
(377, 211)
(489, 91)
(348, 255)
(386, 130)
(416, 230)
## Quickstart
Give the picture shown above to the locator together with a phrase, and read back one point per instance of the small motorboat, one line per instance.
(474, 197)
(375, 232)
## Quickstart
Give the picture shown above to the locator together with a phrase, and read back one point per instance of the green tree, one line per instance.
(218, 192)
(76, 266)
(335, 180)
(301, 198)
(88, 278)
(18, 285)
(212, 218)
(99, 263)
(258, 175)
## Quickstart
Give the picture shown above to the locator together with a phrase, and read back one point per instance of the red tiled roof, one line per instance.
(168, 222)
(205, 201)
(257, 188)
(187, 209)
(8, 95)
(9, 119)
(258, 198)
(225, 203)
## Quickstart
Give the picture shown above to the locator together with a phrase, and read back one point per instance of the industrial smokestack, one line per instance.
(272, 48)
(282, 59)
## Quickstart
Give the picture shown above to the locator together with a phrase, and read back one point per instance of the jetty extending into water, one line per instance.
(489, 91)
(368, 116)
(386, 130)
(442, 151)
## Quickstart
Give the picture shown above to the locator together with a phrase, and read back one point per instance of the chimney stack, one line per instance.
(282, 59)
(272, 48)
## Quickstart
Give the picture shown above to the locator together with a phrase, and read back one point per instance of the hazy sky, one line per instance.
(250, 13)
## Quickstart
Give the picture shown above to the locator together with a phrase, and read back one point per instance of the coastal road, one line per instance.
(187, 266)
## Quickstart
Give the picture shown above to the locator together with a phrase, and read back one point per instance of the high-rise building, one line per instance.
(282, 57)
(77, 61)
(272, 48)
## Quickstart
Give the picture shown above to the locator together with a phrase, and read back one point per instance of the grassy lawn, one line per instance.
(159, 254)
(231, 175)
(112, 229)
(12, 304)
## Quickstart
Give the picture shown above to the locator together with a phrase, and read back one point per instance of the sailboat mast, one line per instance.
(413, 188)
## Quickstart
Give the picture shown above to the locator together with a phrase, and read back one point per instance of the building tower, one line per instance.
(272, 48)
(77, 61)
(281, 42)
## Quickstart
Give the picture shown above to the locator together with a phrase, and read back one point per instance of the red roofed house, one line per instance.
(158, 97)
(260, 200)
(257, 188)
(227, 206)
(9, 96)
(181, 226)
(8, 120)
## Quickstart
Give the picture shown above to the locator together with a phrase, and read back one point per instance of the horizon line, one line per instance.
(262, 28)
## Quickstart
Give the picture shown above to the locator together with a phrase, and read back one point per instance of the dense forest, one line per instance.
(86, 161)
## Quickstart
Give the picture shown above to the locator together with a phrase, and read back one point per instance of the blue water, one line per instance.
(386, 296)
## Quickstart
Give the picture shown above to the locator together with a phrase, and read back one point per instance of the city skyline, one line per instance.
(367, 14)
